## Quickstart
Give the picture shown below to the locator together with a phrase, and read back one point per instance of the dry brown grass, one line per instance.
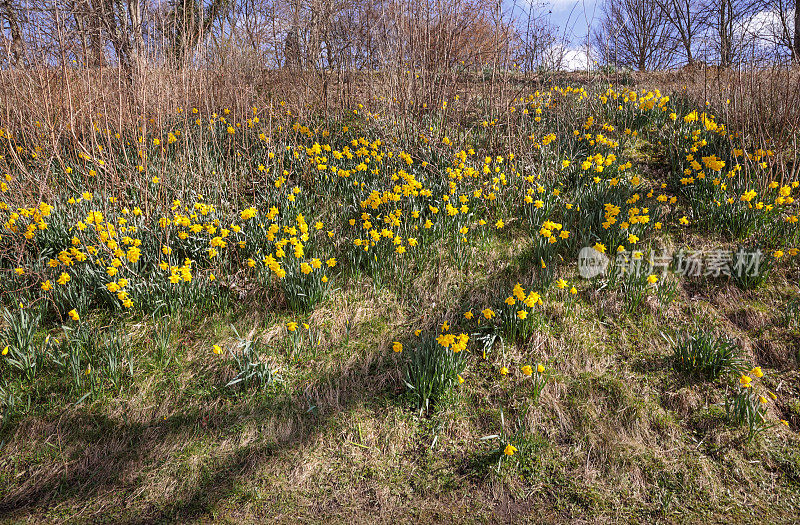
(761, 104)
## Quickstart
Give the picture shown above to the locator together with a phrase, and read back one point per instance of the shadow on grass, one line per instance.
(116, 458)
(113, 462)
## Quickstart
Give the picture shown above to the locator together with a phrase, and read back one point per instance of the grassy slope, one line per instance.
(616, 436)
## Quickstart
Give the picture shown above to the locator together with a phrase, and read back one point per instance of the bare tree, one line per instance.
(688, 19)
(728, 20)
(787, 33)
(538, 41)
(190, 21)
(633, 33)
(10, 17)
(291, 49)
(88, 31)
(796, 49)
(122, 21)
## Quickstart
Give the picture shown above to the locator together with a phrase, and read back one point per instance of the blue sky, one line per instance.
(574, 19)
(576, 16)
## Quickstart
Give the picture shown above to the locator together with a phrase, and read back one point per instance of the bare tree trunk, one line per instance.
(796, 50)
(137, 45)
(291, 50)
(724, 34)
(89, 30)
(192, 23)
(17, 51)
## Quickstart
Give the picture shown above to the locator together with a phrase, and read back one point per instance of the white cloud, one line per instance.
(766, 25)
(569, 58)
(581, 58)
